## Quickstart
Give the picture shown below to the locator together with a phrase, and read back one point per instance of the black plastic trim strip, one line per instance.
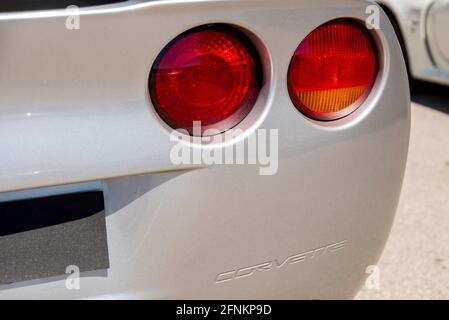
(31, 5)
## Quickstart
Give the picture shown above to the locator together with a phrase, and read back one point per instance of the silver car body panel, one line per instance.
(74, 108)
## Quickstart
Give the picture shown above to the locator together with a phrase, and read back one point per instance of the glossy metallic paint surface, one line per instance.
(75, 108)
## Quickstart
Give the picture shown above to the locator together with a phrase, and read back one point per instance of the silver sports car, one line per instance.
(197, 148)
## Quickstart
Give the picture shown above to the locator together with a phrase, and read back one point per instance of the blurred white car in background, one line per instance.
(422, 27)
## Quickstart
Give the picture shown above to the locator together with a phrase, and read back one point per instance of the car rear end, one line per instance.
(82, 124)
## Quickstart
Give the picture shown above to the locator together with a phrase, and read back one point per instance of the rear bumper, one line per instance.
(75, 108)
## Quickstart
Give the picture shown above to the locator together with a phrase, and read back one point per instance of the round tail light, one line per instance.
(333, 70)
(210, 74)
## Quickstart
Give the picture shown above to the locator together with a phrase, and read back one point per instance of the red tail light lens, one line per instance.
(210, 74)
(332, 70)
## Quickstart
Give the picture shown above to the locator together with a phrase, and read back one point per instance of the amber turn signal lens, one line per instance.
(333, 70)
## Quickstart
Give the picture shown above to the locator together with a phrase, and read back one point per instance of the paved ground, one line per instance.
(415, 263)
